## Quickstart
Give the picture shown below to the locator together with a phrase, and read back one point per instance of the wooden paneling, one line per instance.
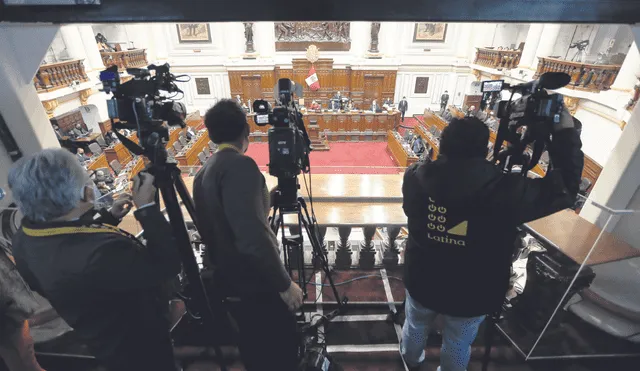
(351, 83)
(345, 126)
(264, 89)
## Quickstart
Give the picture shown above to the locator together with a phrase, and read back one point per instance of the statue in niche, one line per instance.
(375, 30)
(248, 35)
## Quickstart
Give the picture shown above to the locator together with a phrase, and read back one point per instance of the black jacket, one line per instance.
(462, 217)
(104, 283)
(232, 204)
(403, 106)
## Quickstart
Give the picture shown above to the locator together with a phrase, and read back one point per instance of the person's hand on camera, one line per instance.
(144, 192)
(292, 296)
(121, 206)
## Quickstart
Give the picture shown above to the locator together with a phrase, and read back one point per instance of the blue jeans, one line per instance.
(459, 333)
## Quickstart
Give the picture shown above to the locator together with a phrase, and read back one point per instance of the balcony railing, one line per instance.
(584, 76)
(135, 58)
(59, 75)
(496, 58)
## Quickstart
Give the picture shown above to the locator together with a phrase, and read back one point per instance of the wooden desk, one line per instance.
(88, 139)
(432, 119)
(422, 132)
(174, 135)
(340, 126)
(190, 158)
(574, 236)
(455, 112)
(398, 152)
(194, 120)
(99, 162)
(120, 152)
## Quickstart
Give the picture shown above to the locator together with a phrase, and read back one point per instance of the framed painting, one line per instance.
(193, 33)
(422, 85)
(202, 86)
(430, 32)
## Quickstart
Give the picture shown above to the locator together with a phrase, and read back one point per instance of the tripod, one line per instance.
(169, 182)
(288, 204)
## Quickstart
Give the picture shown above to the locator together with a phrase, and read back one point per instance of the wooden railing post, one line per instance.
(59, 75)
(367, 249)
(343, 252)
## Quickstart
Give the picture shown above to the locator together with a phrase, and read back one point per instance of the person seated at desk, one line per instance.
(408, 135)
(418, 146)
(336, 101)
(492, 122)
(81, 156)
(58, 132)
(102, 177)
(190, 133)
(314, 106)
(79, 131)
(375, 107)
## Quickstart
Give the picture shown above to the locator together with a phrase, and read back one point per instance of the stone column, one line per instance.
(531, 45)
(22, 48)
(548, 39)
(73, 42)
(630, 70)
(93, 61)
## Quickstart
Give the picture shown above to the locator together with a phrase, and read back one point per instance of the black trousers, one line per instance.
(268, 333)
(402, 116)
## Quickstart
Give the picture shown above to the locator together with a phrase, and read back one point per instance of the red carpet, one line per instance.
(342, 158)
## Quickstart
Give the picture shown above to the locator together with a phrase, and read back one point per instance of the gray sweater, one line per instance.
(232, 205)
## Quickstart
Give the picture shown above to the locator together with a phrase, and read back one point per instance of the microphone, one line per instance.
(553, 80)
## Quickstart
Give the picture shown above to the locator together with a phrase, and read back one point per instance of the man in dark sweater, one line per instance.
(462, 216)
(102, 281)
(232, 204)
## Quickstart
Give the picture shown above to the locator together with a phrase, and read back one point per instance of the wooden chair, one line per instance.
(95, 148)
(116, 166)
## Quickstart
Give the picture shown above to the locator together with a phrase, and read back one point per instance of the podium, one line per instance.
(318, 138)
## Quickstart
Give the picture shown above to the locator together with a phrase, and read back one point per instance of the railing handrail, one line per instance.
(56, 64)
(517, 51)
(581, 64)
(136, 50)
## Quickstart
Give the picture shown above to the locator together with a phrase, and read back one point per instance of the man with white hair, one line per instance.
(101, 280)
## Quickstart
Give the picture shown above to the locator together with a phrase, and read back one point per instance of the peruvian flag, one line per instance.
(312, 79)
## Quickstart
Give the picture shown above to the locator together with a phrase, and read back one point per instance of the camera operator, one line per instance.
(232, 204)
(101, 280)
(462, 215)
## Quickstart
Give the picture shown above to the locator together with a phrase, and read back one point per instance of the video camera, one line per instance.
(528, 120)
(289, 143)
(139, 105)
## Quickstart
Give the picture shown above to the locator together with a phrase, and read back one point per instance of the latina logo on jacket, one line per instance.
(437, 225)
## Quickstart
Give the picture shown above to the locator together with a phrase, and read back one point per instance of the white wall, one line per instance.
(57, 50)
(599, 134)
(627, 226)
(507, 34)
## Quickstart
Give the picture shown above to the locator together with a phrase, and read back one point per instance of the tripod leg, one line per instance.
(317, 248)
(189, 262)
(488, 342)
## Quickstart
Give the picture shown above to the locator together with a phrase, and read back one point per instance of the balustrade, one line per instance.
(134, 58)
(584, 76)
(497, 58)
(54, 76)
